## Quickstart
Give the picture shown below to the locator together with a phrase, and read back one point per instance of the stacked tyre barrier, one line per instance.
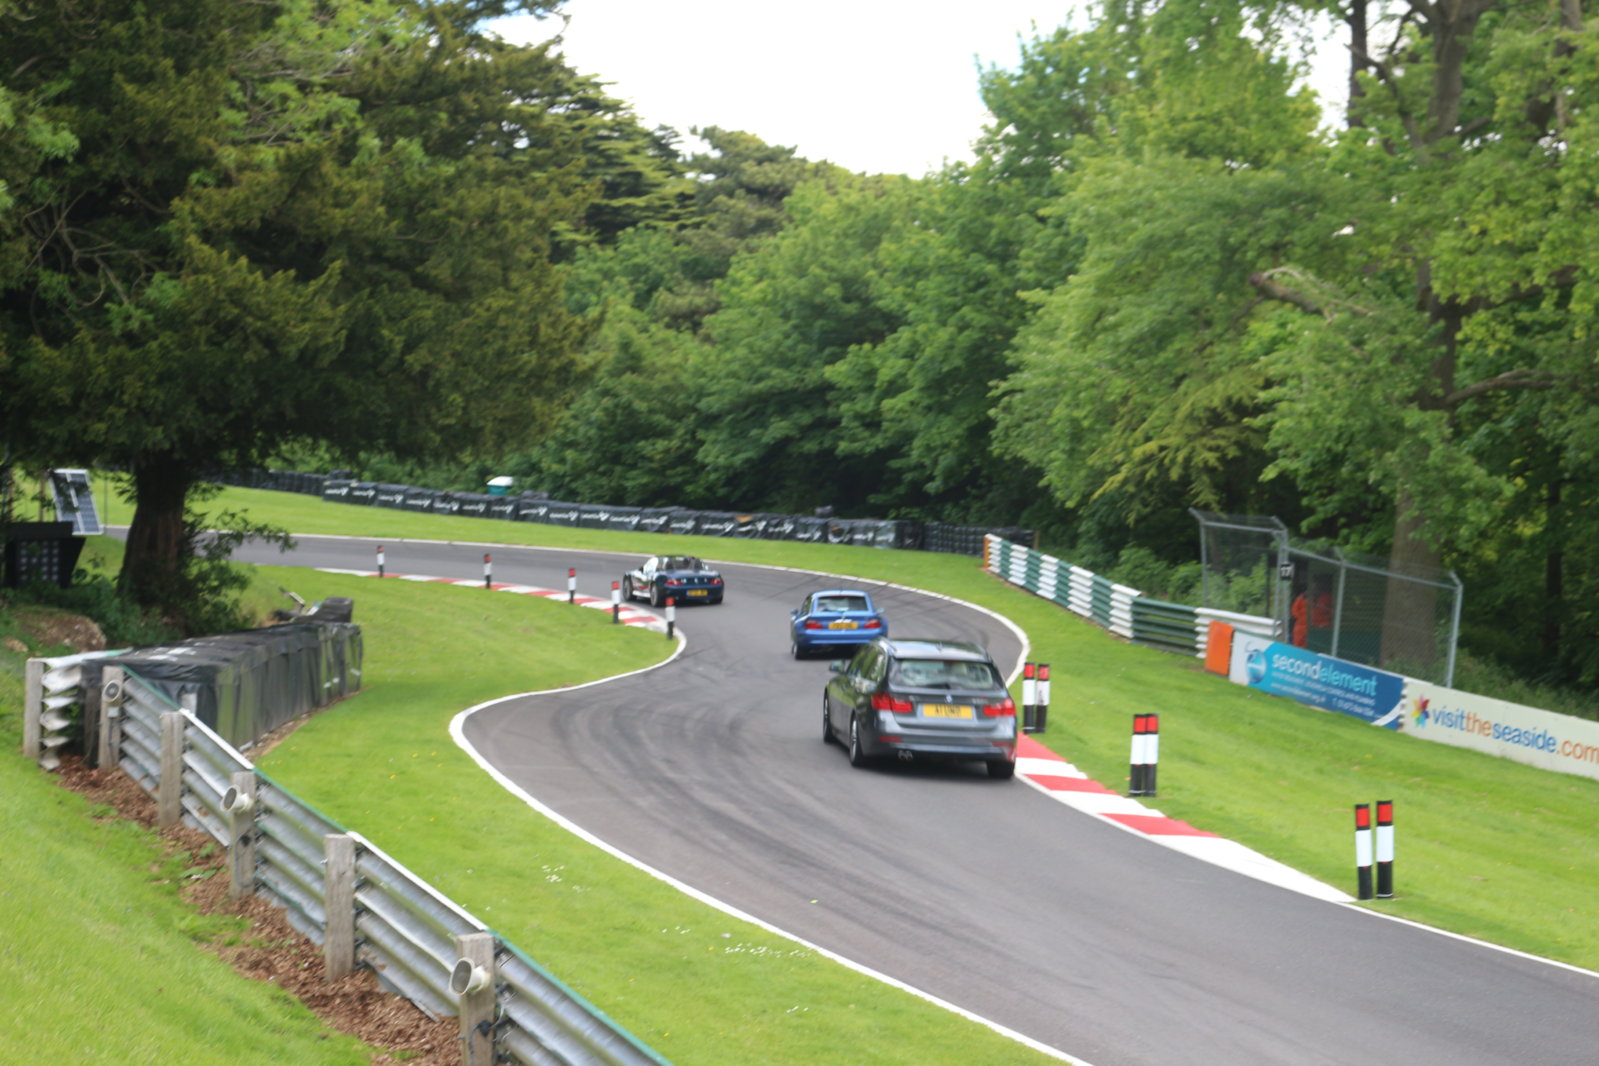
(538, 507)
(1122, 610)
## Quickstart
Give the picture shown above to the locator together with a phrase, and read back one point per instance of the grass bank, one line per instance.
(1487, 848)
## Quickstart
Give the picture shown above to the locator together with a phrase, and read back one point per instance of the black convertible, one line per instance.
(681, 578)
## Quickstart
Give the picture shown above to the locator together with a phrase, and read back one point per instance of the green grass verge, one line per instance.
(98, 957)
(1486, 847)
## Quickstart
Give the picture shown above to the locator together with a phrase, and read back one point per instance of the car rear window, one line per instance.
(841, 603)
(924, 673)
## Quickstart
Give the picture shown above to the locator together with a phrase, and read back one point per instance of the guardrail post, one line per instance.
(473, 981)
(239, 803)
(169, 793)
(113, 679)
(32, 709)
(338, 944)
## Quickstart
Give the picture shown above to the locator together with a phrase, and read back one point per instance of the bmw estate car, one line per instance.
(682, 578)
(921, 698)
(836, 621)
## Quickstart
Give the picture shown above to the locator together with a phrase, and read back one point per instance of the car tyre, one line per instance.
(827, 722)
(795, 650)
(627, 590)
(857, 757)
(1001, 769)
(656, 599)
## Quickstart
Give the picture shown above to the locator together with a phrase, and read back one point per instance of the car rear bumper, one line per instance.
(994, 744)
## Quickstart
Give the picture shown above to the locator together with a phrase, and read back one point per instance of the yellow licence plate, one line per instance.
(697, 592)
(946, 710)
(842, 623)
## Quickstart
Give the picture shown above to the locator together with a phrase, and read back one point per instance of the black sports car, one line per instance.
(681, 578)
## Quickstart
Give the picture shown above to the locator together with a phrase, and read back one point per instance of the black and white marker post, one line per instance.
(1145, 754)
(671, 616)
(1029, 698)
(380, 560)
(487, 569)
(571, 584)
(1385, 849)
(616, 602)
(1363, 850)
(1043, 697)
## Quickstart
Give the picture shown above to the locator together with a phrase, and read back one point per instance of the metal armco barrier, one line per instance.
(340, 891)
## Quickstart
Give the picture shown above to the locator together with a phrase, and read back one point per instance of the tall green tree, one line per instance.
(282, 222)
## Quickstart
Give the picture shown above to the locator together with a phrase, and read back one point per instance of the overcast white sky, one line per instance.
(875, 86)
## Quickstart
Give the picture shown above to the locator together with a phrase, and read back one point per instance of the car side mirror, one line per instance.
(794, 613)
(838, 666)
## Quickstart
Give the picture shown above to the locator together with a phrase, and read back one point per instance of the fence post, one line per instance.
(338, 945)
(473, 981)
(169, 793)
(32, 709)
(113, 691)
(239, 802)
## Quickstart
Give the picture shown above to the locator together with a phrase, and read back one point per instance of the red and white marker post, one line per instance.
(1029, 698)
(1043, 697)
(380, 560)
(1145, 754)
(487, 569)
(571, 584)
(1385, 849)
(616, 602)
(671, 616)
(1363, 850)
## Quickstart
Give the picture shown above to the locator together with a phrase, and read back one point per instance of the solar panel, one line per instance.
(75, 501)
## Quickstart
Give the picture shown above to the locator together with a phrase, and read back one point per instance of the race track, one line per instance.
(985, 894)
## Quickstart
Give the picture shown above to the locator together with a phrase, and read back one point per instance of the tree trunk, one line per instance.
(153, 566)
(1410, 609)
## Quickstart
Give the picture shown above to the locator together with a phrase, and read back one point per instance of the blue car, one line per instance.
(834, 620)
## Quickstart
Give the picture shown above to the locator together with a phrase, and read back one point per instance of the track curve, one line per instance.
(985, 894)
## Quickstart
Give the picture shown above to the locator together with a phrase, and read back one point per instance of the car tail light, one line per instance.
(716, 581)
(882, 701)
(873, 623)
(1005, 708)
(811, 623)
(672, 582)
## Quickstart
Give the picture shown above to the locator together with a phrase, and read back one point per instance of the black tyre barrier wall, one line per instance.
(537, 507)
(244, 685)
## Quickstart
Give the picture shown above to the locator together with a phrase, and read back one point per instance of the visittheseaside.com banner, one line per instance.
(1526, 734)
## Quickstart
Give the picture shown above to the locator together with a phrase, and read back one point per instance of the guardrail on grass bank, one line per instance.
(340, 890)
(1124, 611)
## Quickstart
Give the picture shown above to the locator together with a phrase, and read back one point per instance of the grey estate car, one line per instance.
(914, 698)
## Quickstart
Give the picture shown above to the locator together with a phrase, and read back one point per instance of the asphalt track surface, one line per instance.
(985, 894)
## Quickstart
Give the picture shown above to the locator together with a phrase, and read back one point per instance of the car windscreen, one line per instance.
(945, 673)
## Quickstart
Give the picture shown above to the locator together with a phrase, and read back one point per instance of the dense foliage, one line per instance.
(1168, 279)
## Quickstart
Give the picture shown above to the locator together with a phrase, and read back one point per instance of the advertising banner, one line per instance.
(1373, 696)
(1540, 738)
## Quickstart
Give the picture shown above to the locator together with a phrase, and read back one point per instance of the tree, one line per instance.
(281, 223)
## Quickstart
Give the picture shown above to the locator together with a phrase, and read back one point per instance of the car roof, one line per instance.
(933, 648)
(840, 592)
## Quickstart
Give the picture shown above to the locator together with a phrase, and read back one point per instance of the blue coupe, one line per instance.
(834, 620)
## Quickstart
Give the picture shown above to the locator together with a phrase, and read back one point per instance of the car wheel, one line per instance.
(856, 756)
(827, 722)
(795, 650)
(627, 590)
(1002, 769)
(656, 599)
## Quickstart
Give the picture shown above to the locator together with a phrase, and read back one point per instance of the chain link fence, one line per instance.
(1338, 602)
